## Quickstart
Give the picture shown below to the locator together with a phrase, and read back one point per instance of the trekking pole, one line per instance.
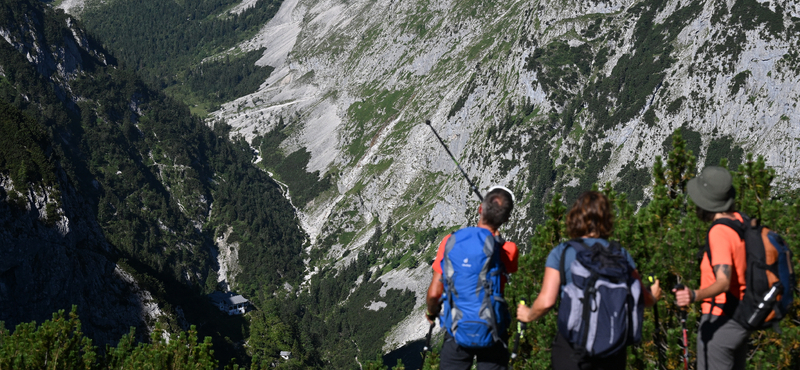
(427, 347)
(519, 334)
(472, 186)
(658, 338)
(682, 316)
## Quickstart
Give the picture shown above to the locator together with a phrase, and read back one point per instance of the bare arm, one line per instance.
(650, 295)
(545, 300)
(435, 291)
(723, 284)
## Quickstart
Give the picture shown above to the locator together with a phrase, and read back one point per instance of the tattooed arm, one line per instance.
(723, 283)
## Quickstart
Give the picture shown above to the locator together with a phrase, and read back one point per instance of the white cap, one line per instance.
(502, 188)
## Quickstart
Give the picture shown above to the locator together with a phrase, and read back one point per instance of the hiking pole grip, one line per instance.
(519, 334)
(682, 315)
(471, 185)
(662, 355)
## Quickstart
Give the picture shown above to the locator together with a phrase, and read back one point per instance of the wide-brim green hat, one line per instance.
(712, 190)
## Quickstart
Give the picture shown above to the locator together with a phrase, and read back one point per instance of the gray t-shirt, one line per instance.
(554, 258)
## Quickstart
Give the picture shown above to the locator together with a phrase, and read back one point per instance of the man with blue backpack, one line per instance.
(469, 274)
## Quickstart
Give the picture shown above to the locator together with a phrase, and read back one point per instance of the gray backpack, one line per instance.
(601, 310)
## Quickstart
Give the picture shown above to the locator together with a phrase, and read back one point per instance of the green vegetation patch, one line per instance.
(592, 163)
(505, 137)
(370, 115)
(693, 140)
(165, 41)
(738, 81)
(637, 75)
(541, 177)
(291, 169)
(649, 117)
(726, 148)
(675, 106)
(379, 167)
(481, 47)
(469, 88)
(750, 14)
(633, 181)
(560, 67)
(225, 79)
(59, 343)
(332, 319)
(23, 143)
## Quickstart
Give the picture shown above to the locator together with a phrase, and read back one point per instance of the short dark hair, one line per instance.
(496, 207)
(591, 213)
(708, 216)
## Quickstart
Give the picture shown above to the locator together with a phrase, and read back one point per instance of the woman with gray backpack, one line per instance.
(590, 268)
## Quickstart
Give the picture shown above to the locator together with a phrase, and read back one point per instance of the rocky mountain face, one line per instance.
(53, 264)
(543, 96)
(55, 253)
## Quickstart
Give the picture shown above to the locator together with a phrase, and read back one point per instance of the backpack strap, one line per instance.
(579, 245)
(492, 248)
(447, 264)
(447, 276)
(739, 227)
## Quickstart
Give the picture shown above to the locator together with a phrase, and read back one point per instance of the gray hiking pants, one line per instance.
(721, 344)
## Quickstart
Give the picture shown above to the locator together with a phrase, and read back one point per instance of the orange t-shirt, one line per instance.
(509, 258)
(726, 249)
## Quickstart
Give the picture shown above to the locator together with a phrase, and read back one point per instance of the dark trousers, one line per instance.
(563, 357)
(455, 357)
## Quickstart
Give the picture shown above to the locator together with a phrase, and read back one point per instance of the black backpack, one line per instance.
(769, 276)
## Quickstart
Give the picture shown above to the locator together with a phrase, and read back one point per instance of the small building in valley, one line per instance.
(230, 302)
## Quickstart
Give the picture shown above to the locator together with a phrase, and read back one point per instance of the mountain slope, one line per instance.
(545, 97)
(113, 195)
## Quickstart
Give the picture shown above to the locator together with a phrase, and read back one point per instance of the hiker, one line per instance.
(589, 223)
(465, 284)
(721, 341)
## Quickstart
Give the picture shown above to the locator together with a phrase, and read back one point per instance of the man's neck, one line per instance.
(731, 215)
(487, 227)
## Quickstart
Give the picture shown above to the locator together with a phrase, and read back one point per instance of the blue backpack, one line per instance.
(601, 310)
(475, 313)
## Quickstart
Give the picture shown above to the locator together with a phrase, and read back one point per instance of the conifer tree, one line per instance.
(664, 237)
(59, 343)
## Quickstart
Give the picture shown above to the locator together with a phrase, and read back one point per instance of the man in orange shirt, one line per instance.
(721, 341)
(494, 211)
